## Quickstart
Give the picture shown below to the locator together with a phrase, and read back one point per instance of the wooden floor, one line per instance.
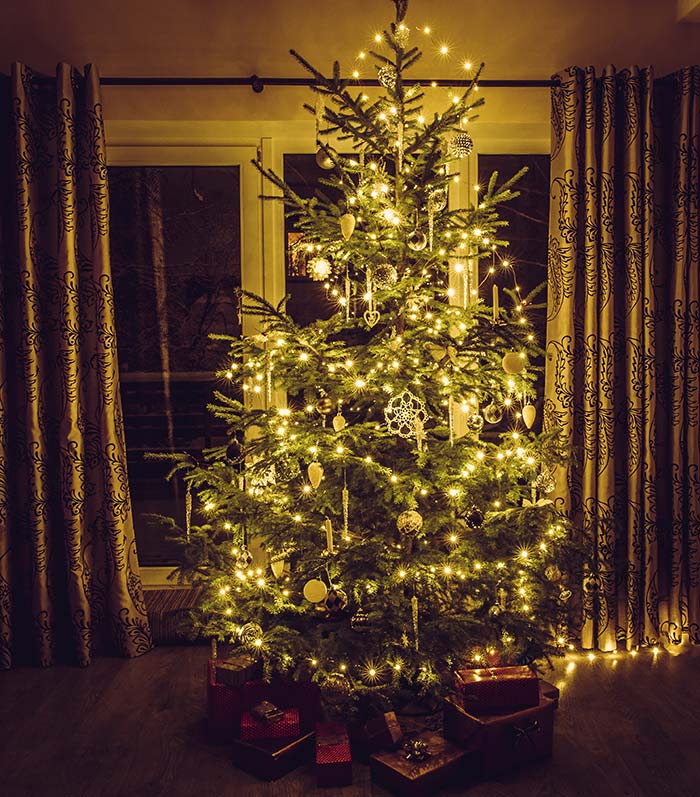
(630, 727)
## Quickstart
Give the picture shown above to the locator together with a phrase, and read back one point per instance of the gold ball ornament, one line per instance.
(416, 241)
(249, 634)
(493, 413)
(324, 406)
(409, 522)
(513, 362)
(315, 590)
(323, 160)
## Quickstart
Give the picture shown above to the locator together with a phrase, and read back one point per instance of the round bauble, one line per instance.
(385, 276)
(416, 241)
(552, 573)
(315, 590)
(461, 145)
(324, 406)
(323, 160)
(546, 482)
(315, 474)
(386, 75)
(360, 620)
(474, 423)
(529, 413)
(513, 362)
(249, 634)
(493, 413)
(474, 518)
(234, 450)
(320, 268)
(244, 558)
(437, 199)
(336, 600)
(409, 522)
(336, 689)
(286, 468)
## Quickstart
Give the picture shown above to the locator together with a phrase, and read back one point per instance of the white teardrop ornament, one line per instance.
(339, 422)
(347, 225)
(529, 413)
(315, 471)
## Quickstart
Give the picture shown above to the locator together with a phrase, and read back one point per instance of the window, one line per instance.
(176, 260)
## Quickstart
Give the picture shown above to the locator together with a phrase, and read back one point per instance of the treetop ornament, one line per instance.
(411, 353)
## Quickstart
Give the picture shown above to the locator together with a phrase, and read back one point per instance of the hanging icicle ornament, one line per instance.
(328, 528)
(386, 75)
(188, 512)
(451, 419)
(347, 286)
(414, 617)
(347, 225)
(345, 499)
(461, 145)
(315, 474)
(402, 412)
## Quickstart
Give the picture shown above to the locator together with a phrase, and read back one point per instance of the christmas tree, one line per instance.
(359, 527)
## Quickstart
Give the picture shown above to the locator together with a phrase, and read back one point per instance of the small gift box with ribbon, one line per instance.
(333, 757)
(497, 689)
(381, 733)
(420, 767)
(237, 669)
(270, 759)
(503, 741)
(269, 722)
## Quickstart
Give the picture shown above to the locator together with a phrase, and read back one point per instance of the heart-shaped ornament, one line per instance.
(371, 317)
(347, 225)
(339, 422)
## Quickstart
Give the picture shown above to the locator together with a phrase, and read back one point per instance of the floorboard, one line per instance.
(626, 726)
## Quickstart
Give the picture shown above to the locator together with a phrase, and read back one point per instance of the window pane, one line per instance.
(175, 248)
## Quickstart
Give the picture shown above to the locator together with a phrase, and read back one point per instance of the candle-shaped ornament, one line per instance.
(495, 304)
(329, 535)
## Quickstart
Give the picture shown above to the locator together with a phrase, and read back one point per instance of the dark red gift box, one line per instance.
(413, 778)
(381, 733)
(503, 741)
(237, 669)
(285, 728)
(333, 758)
(304, 695)
(271, 759)
(497, 689)
(550, 691)
(223, 708)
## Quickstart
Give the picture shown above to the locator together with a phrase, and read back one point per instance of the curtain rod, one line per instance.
(258, 83)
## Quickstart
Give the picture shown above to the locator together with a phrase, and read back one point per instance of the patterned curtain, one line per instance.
(69, 583)
(623, 344)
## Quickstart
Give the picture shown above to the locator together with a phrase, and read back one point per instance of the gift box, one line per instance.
(550, 691)
(303, 695)
(381, 733)
(287, 727)
(224, 708)
(271, 759)
(414, 778)
(502, 741)
(497, 689)
(333, 758)
(238, 669)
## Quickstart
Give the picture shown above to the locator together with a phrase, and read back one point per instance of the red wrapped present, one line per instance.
(304, 695)
(223, 708)
(550, 691)
(414, 776)
(497, 689)
(503, 741)
(333, 758)
(285, 728)
(381, 733)
(271, 759)
(238, 669)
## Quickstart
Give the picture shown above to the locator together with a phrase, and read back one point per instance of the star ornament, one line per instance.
(405, 413)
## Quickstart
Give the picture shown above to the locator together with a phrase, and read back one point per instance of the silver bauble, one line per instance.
(244, 558)
(249, 634)
(437, 199)
(474, 423)
(323, 160)
(385, 276)
(336, 689)
(461, 145)
(409, 522)
(493, 413)
(386, 75)
(416, 241)
(552, 573)
(336, 600)
(546, 482)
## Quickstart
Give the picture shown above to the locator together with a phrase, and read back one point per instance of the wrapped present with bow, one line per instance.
(422, 766)
(266, 721)
(237, 669)
(502, 741)
(223, 707)
(497, 689)
(271, 759)
(333, 757)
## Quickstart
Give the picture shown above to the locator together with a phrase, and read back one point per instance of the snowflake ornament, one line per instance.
(406, 415)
